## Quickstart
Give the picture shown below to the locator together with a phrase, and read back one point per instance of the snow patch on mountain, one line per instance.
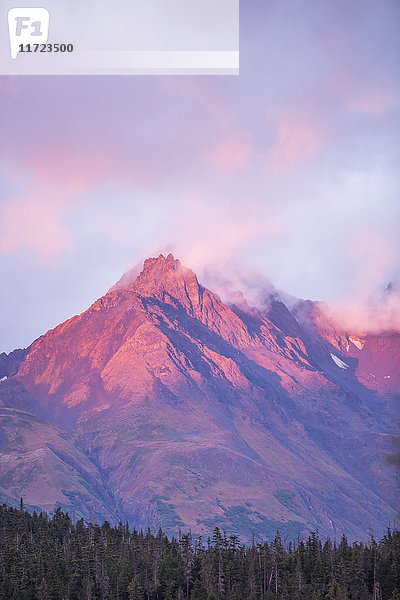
(340, 363)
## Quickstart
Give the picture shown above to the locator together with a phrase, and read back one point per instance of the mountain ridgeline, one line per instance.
(161, 405)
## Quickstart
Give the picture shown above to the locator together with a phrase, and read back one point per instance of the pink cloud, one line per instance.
(230, 155)
(34, 222)
(375, 102)
(374, 256)
(297, 142)
(375, 314)
(213, 230)
(49, 181)
(34, 218)
(367, 309)
(71, 169)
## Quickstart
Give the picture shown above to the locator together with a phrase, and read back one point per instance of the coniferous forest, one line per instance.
(44, 558)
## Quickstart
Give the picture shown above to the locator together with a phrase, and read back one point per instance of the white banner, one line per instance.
(84, 37)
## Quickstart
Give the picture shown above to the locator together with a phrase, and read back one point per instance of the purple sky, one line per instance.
(290, 169)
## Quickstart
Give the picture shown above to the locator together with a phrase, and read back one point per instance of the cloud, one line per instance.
(230, 155)
(34, 223)
(373, 302)
(33, 218)
(295, 145)
(376, 102)
(209, 229)
(238, 284)
(282, 170)
(376, 314)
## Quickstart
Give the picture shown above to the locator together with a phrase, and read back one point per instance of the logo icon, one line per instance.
(27, 26)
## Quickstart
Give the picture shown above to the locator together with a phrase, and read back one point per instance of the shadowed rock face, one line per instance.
(161, 405)
(9, 363)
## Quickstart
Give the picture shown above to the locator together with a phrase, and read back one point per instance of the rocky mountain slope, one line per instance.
(161, 405)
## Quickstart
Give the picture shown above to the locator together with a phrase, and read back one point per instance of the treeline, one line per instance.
(55, 559)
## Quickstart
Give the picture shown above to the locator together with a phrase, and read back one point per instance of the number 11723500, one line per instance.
(46, 48)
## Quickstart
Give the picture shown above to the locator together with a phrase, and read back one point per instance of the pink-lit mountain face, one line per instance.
(161, 405)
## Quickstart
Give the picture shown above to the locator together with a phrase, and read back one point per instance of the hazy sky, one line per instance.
(290, 169)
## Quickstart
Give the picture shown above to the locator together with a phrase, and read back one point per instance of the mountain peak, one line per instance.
(165, 276)
(161, 263)
(235, 417)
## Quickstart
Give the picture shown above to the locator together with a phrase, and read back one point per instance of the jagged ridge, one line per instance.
(195, 414)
